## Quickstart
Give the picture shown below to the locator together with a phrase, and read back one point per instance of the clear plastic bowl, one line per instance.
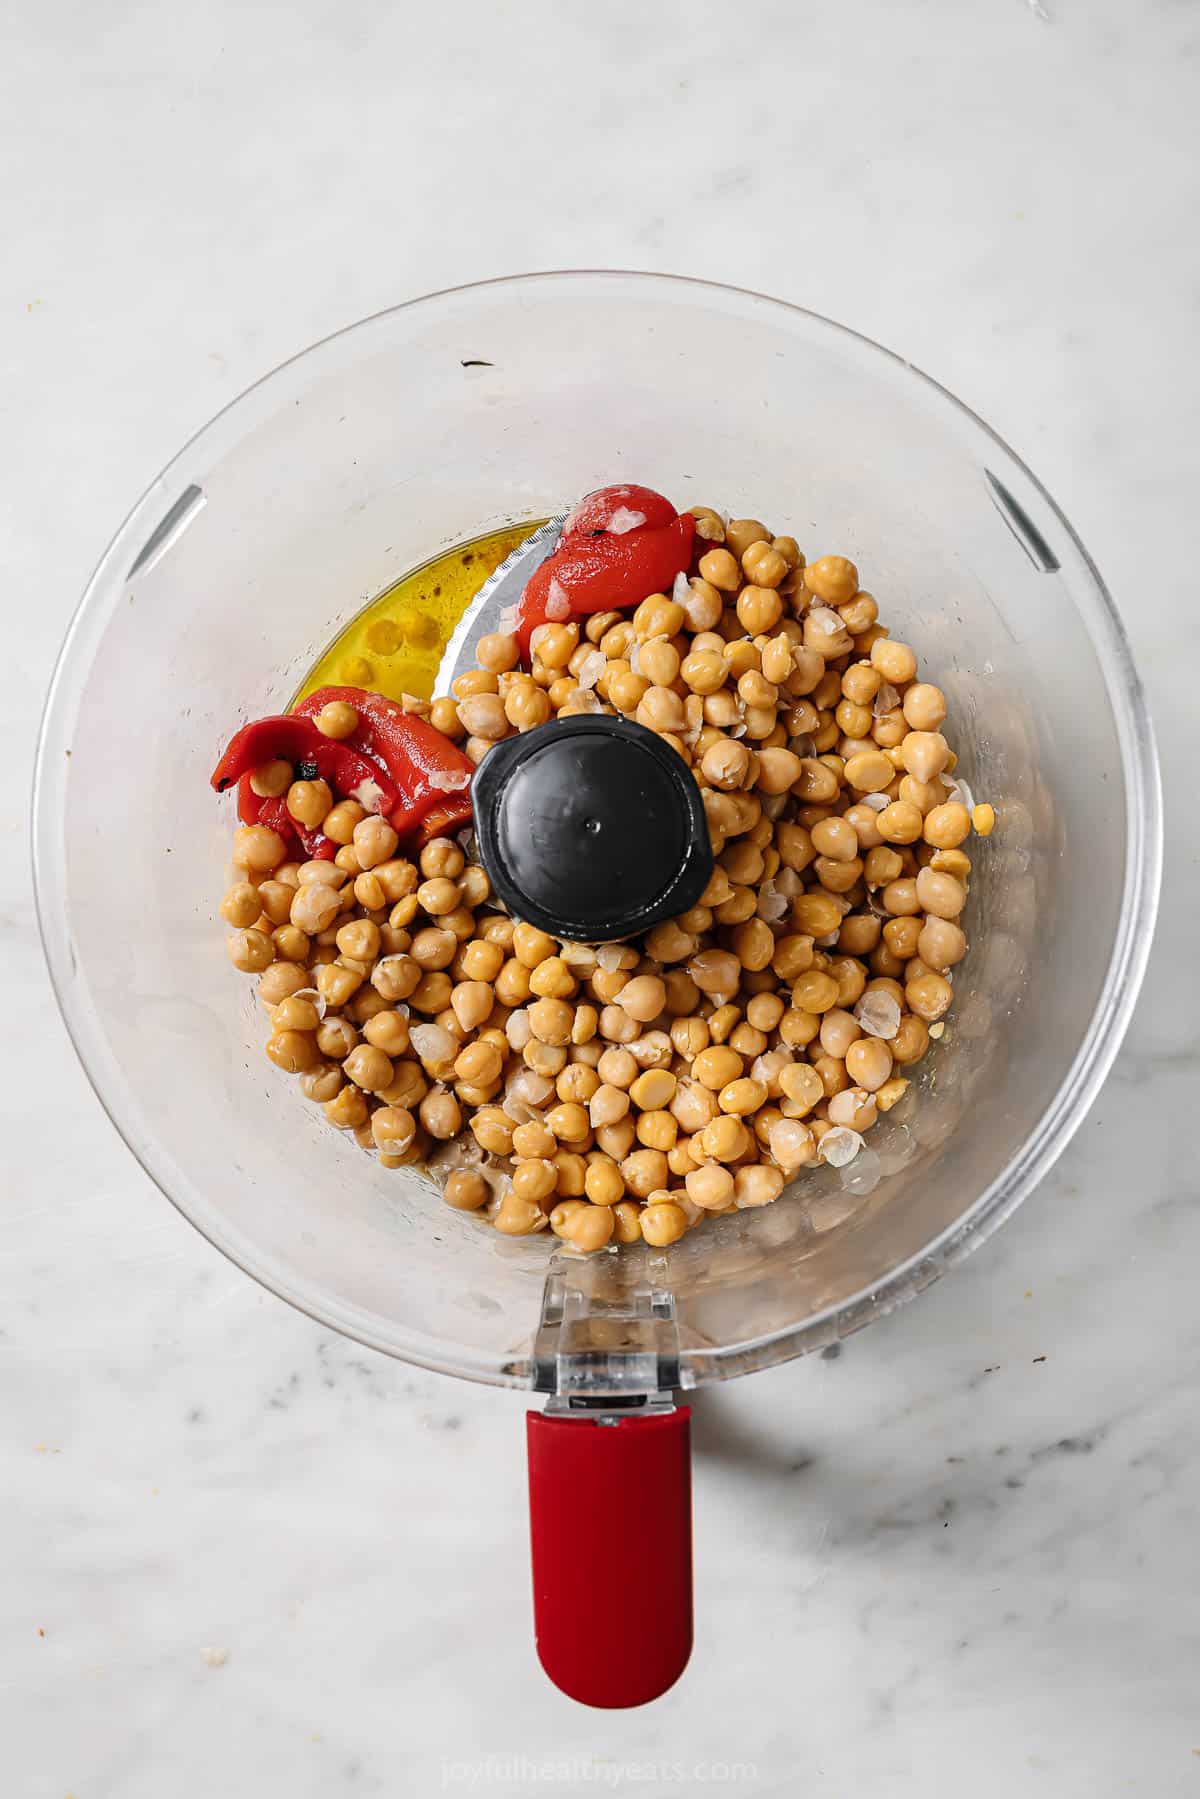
(430, 424)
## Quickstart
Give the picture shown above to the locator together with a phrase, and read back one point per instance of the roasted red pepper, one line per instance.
(294, 738)
(626, 506)
(598, 569)
(430, 775)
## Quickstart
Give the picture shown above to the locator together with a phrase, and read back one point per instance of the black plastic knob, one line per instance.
(591, 828)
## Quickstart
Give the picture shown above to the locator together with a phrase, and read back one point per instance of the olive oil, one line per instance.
(395, 643)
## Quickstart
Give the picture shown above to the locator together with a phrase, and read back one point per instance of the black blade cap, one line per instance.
(591, 828)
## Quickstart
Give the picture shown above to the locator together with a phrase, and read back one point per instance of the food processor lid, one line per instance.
(591, 828)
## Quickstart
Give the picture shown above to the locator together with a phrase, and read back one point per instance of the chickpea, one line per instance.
(492, 1129)
(661, 709)
(617, 1026)
(839, 1029)
(336, 1037)
(659, 662)
(293, 1051)
(479, 1064)
(314, 907)
(308, 802)
(626, 1216)
(901, 822)
(643, 998)
(941, 944)
(588, 1229)
(292, 1014)
(742, 1096)
(763, 565)
(709, 1186)
(517, 1217)
(241, 905)
(817, 914)
(482, 961)
(322, 1082)
(816, 783)
(603, 1182)
(608, 1104)
(722, 1021)
(704, 671)
(552, 979)
(388, 1031)
(924, 754)
(740, 533)
(368, 891)
(393, 1128)
(471, 1002)
(550, 1021)
(715, 971)
(433, 948)
(834, 839)
(754, 944)
(466, 1190)
(725, 1139)
(251, 950)
(483, 716)
(833, 579)
(336, 719)
(717, 1066)
(924, 706)
(271, 780)
(940, 894)
(368, 1067)
(443, 716)
(397, 877)
(947, 825)
(777, 770)
(859, 934)
(396, 977)
(498, 651)
(627, 690)
(910, 1042)
(359, 940)
(757, 1185)
(693, 1106)
(407, 1088)
(719, 569)
(616, 1140)
(868, 1063)
(814, 991)
(617, 1068)
(374, 841)
(759, 609)
(895, 661)
(900, 935)
(258, 849)
(929, 996)
(531, 946)
(643, 1171)
(663, 1223)
(348, 1109)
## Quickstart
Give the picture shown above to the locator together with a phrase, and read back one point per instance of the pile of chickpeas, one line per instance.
(620, 1092)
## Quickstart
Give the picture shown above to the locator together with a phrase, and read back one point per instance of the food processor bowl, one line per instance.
(433, 423)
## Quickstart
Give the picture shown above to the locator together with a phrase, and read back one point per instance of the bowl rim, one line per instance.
(1057, 1125)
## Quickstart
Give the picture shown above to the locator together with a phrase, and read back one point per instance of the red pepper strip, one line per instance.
(595, 511)
(443, 821)
(418, 758)
(349, 773)
(603, 574)
(250, 804)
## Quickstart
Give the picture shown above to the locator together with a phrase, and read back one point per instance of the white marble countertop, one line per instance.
(937, 1563)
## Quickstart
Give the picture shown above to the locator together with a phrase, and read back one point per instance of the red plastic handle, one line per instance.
(613, 1615)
